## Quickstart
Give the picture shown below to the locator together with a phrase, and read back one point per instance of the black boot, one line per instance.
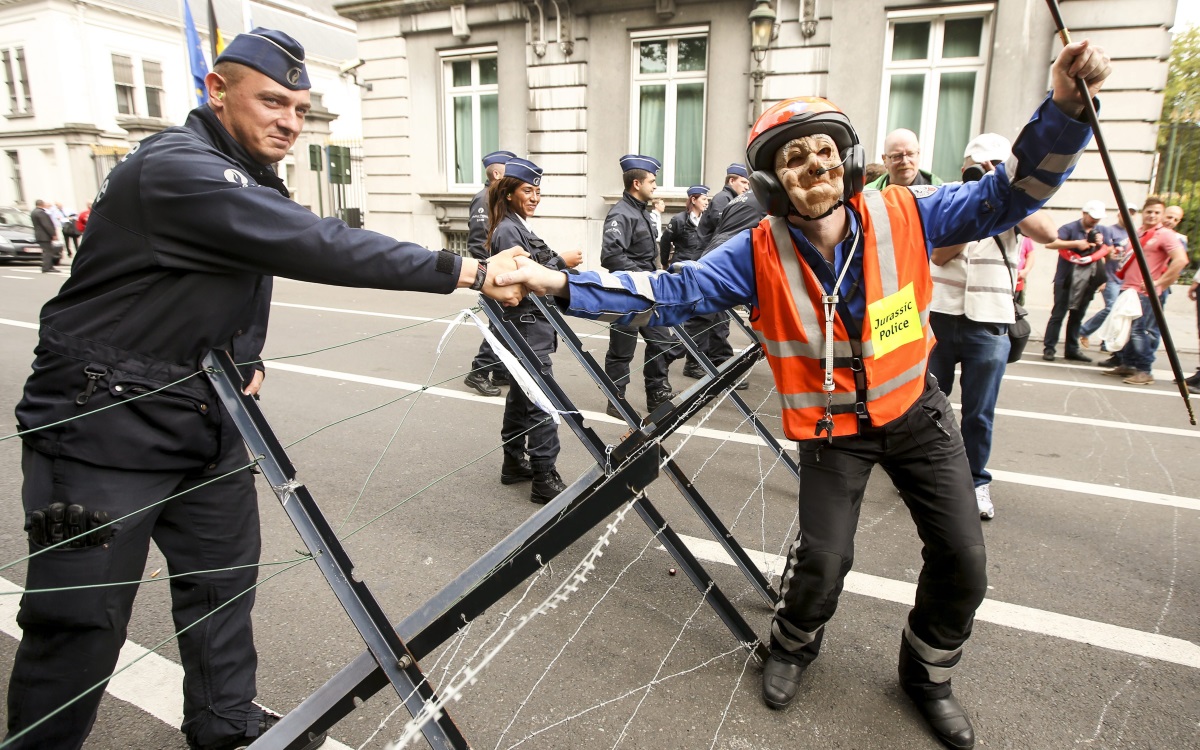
(500, 378)
(694, 370)
(1193, 379)
(515, 469)
(479, 381)
(935, 701)
(547, 485)
(781, 681)
(655, 399)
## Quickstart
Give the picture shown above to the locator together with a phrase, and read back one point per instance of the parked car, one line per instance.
(16, 236)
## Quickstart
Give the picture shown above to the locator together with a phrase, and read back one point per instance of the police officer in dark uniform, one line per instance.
(527, 430)
(711, 332)
(628, 244)
(182, 234)
(679, 240)
(737, 181)
(486, 362)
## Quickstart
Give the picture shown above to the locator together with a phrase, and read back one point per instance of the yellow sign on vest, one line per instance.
(894, 321)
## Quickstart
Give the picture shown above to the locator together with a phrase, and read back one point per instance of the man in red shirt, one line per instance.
(1165, 258)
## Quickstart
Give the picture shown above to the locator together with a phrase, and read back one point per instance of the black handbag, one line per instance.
(1019, 329)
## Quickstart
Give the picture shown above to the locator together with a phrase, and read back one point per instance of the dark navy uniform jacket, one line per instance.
(477, 227)
(172, 264)
(681, 233)
(743, 212)
(511, 231)
(629, 240)
(712, 217)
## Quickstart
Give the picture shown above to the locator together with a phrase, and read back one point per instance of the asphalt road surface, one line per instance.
(1088, 638)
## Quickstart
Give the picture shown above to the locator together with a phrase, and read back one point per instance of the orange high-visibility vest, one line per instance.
(790, 319)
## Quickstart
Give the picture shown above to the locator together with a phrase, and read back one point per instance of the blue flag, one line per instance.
(195, 55)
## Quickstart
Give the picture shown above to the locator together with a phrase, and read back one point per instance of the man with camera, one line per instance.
(971, 311)
(1080, 244)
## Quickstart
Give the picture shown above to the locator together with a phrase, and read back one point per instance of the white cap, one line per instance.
(988, 147)
(1094, 209)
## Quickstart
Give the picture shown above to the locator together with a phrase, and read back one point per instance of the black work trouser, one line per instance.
(486, 362)
(711, 334)
(531, 430)
(922, 452)
(72, 638)
(1075, 318)
(661, 349)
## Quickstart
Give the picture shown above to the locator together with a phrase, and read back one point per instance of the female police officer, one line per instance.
(512, 201)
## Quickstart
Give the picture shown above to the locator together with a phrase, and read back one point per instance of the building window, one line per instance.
(16, 76)
(152, 73)
(670, 78)
(14, 171)
(123, 78)
(472, 113)
(933, 81)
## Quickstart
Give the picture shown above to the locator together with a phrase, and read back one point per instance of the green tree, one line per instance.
(1179, 133)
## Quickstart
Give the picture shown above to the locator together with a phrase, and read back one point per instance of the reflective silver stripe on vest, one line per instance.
(899, 381)
(882, 225)
(817, 398)
(790, 260)
(931, 657)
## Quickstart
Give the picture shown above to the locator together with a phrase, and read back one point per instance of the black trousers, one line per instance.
(661, 349)
(72, 638)
(50, 256)
(922, 452)
(1075, 318)
(486, 361)
(711, 334)
(530, 429)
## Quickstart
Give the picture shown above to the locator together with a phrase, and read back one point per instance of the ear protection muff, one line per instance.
(769, 193)
(854, 178)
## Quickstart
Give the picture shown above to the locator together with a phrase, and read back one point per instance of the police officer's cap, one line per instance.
(695, 190)
(737, 169)
(498, 157)
(637, 161)
(524, 170)
(272, 53)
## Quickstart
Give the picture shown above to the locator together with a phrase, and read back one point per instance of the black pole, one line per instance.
(1155, 304)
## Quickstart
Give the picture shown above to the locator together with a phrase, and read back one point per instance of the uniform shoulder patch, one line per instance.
(923, 191)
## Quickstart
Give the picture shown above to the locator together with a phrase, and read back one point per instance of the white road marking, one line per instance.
(18, 323)
(1098, 386)
(154, 684)
(1027, 619)
(1032, 480)
(19, 278)
(1073, 420)
(1166, 375)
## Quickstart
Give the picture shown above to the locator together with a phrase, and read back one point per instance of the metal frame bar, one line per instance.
(385, 646)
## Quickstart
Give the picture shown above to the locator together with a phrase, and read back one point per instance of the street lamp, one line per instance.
(762, 27)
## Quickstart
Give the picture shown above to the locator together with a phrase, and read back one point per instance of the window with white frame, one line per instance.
(472, 89)
(126, 88)
(933, 80)
(16, 78)
(670, 81)
(14, 174)
(153, 76)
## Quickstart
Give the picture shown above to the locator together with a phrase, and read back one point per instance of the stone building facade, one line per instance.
(574, 84)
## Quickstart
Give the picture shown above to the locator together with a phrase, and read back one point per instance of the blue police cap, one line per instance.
(697, 190)
(524, 170)
(637, 161)
(498, 157)
(738, 169)
(272, 53)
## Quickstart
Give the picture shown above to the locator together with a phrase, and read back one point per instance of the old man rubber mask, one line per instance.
(798, 165)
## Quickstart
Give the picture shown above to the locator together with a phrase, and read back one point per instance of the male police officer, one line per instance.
(680, 241)
(837, 265)
(736, 182)
(486, 362)
(181, 235)
(628, 244)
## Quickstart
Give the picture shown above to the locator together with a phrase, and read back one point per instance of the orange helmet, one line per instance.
(793, 118)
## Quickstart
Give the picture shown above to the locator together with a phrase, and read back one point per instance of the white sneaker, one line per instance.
(983, 498)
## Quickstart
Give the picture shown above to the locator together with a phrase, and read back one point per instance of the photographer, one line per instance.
(1080, 244)
(971, 311)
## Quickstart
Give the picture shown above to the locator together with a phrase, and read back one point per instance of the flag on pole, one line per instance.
(195, 55)
(215, 38)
